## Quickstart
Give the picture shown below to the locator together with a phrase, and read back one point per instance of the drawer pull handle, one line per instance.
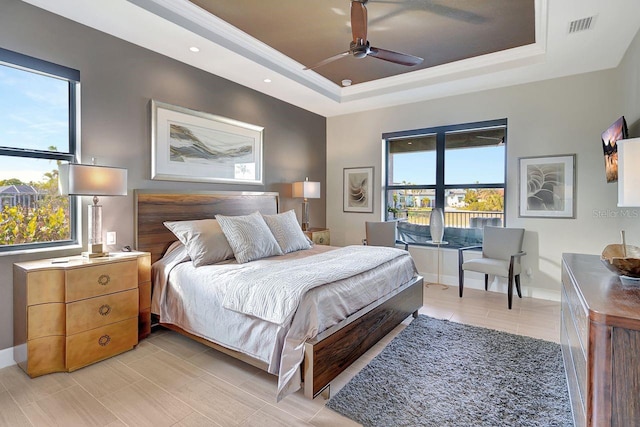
(104, 340)
(104, 279)
(104, 309)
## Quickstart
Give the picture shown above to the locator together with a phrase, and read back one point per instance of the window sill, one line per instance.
(53, 250)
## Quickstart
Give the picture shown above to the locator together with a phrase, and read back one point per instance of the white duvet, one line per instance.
(192, 298)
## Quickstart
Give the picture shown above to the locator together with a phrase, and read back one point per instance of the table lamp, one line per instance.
(307, 190)
(91, 180)
(628, 172)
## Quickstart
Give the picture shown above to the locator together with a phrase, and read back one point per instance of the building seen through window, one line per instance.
(459, 168)
(38, 107)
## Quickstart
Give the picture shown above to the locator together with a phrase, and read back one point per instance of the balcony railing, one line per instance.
(452, 218)
(462, 228)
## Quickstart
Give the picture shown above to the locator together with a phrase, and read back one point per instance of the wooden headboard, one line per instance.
(153, 207)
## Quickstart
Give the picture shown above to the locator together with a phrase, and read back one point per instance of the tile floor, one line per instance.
(169, 380)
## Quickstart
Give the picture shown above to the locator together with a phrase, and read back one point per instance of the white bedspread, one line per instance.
(191, 298)
(270, 293)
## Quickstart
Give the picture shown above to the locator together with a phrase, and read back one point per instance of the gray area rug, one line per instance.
(441, 373)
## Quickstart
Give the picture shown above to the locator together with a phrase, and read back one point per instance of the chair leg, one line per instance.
(510, 285)
(518, 286)
(486, 282)
(460, 273)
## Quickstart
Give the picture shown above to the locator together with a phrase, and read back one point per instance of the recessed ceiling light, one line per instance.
(267, 80)
(194, 49)
(346, 82)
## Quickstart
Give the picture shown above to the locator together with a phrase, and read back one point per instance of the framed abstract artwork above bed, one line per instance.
(189, 145)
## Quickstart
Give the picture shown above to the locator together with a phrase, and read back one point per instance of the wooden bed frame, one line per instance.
(329, 353)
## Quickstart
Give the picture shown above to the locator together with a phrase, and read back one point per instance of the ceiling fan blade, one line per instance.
(358, 21)
(395, 57)
(326, 61)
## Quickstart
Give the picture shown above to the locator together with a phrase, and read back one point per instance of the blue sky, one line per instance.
(33, 114)
(462, 166)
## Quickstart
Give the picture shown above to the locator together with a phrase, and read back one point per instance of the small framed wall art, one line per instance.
(358, 190)
(547, 186)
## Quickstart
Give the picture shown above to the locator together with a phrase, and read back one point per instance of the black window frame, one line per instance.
(34, 65)
(440, 186)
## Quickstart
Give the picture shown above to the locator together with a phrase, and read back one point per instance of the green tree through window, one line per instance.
(38, 107)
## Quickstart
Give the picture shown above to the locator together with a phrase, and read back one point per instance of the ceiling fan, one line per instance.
(360, 46)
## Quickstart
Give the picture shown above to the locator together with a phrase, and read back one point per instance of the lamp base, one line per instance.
(95, 254)
(95, 251)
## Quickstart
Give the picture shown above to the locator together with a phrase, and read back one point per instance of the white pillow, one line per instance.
(249, 237)
(287, 231)
(204, 240)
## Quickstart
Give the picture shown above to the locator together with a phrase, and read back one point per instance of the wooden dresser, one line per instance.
(71, 312)
(600, 337)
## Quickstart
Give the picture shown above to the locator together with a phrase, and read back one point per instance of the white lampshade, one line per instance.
(306, 189)
(91, 180)
(628, 172)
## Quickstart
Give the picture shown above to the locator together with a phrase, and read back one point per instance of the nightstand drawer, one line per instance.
(94, 312)
(101, 279)
(319, 236)
(97, 344)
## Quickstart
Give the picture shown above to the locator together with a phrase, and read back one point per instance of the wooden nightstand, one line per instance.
(67, 315)
(319, 236)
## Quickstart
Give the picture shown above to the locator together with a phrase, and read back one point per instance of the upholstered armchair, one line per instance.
(501, 253)
(382, 234)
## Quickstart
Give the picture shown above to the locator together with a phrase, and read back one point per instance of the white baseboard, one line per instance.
(6, 357)
(499, 286)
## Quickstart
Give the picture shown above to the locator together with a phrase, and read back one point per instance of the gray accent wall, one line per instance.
(118, 80)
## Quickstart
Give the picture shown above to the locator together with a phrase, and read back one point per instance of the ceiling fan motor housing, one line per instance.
(359, 50)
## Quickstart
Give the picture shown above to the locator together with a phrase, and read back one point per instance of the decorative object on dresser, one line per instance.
(628, 173)
(71, 312)
(546, 187)
(600, 337)
(189, 145)
(306, 190)
(623, 260)
(501, 253)
(92, 180)
(358, 190)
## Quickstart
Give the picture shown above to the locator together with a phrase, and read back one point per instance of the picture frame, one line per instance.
(547, 186)
(610, 137)
(358, 189)
(190, 145)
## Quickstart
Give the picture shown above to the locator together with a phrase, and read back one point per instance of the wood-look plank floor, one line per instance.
(169, 380)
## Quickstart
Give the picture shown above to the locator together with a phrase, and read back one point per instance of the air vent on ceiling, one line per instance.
(581, 24)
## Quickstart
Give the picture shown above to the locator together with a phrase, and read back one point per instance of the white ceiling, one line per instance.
(171, 27)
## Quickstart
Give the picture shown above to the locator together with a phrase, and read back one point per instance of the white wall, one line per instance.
(561, 116)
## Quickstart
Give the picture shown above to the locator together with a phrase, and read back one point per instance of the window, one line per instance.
(38, 107)
(460, 168)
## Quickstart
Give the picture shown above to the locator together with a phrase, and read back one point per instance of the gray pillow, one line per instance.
(249, 237)
(204, 240)
(287, 231)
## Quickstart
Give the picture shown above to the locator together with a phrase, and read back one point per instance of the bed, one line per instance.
(320, 357)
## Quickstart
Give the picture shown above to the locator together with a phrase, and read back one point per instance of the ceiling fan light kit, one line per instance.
(360, 46)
